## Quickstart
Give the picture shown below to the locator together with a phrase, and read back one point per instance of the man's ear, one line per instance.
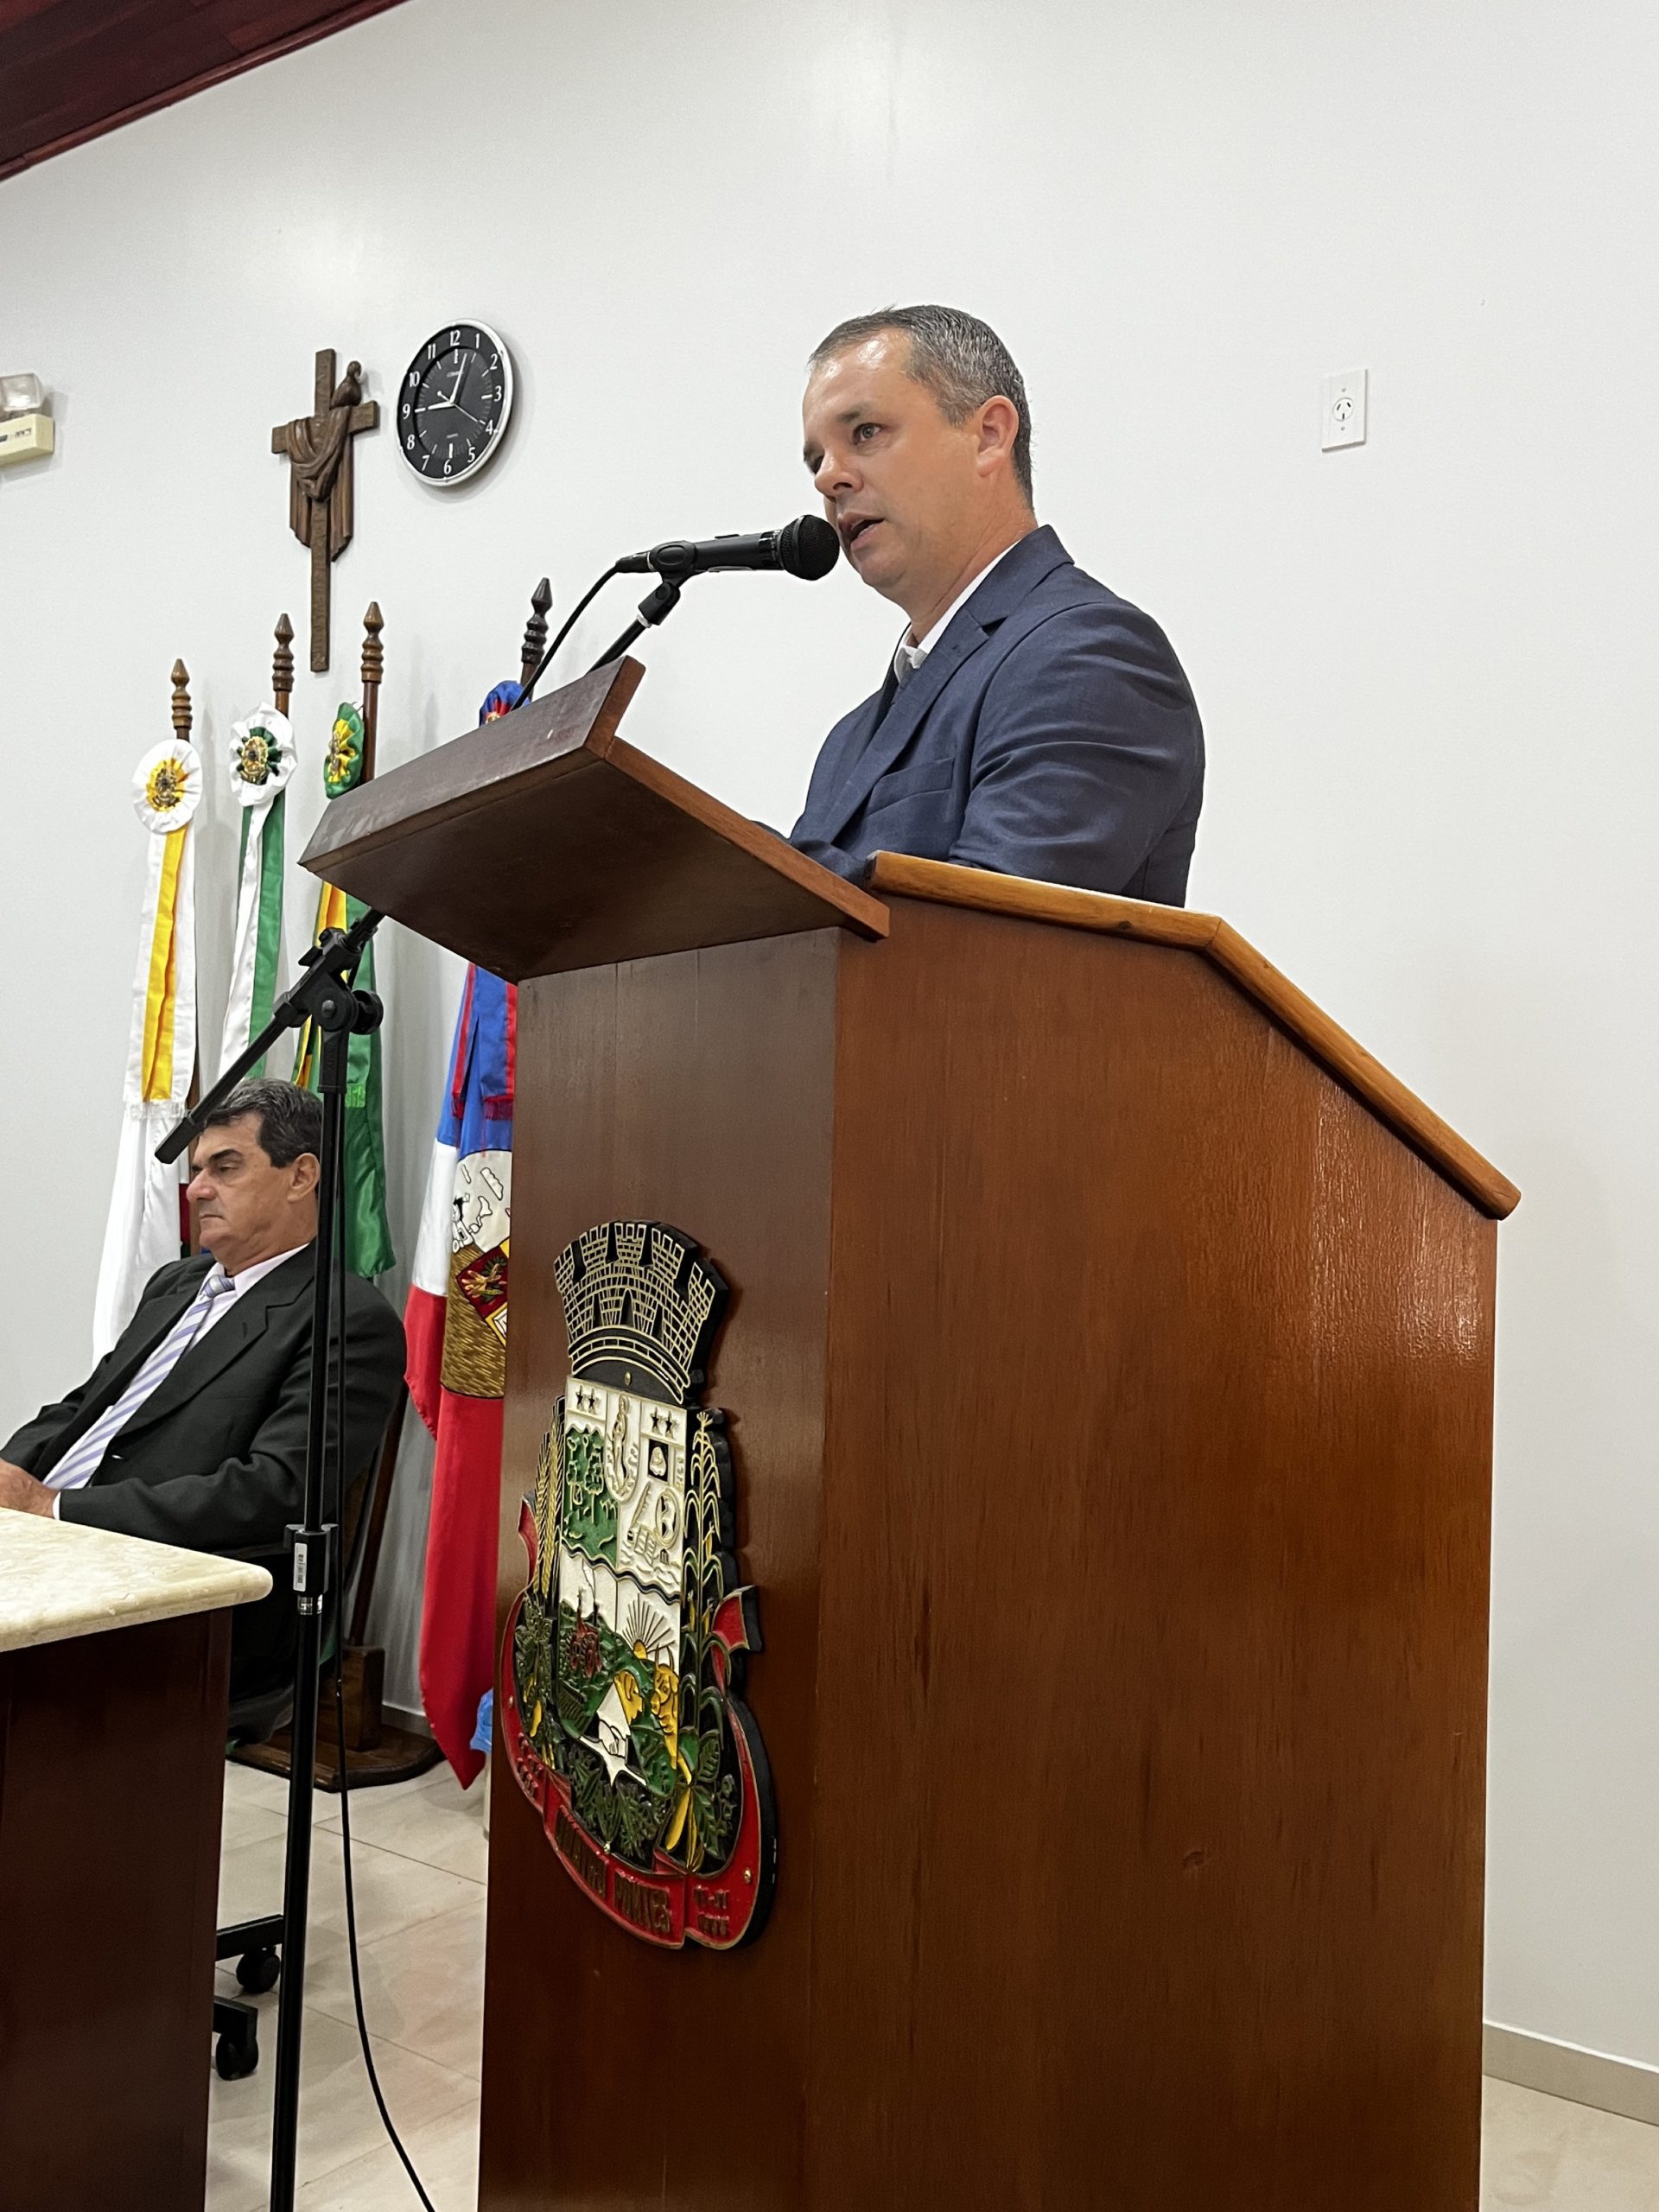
(307, 1168)
(999, 426)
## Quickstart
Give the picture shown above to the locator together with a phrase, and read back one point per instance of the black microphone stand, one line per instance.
(326, 997)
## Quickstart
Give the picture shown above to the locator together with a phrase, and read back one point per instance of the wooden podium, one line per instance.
(1109, 1374)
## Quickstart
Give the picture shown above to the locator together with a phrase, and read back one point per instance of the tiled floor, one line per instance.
(1552, 2157)
(419, 1854)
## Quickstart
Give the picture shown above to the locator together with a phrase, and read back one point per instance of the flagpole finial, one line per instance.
(374, 666)
(282, 666)
(181, 710)
(535, 642)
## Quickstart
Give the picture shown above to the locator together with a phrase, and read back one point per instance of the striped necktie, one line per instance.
(84, 1456)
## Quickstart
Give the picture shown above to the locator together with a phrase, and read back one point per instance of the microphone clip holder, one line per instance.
(655, 608)
(323, 995)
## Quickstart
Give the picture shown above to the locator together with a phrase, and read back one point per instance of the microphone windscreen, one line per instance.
(808, 547)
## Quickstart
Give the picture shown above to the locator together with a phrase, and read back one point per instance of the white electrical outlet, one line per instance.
(1342, 409)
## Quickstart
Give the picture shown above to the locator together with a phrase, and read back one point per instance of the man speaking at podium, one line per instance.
(1031, 722)
(192, 1430)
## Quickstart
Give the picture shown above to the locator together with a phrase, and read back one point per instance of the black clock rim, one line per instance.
(510, 381)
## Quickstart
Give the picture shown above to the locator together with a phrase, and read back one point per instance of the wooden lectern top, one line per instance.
(901, 876)
(542, 842)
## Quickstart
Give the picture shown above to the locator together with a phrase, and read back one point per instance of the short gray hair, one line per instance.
(290, 1119)
(960, 360)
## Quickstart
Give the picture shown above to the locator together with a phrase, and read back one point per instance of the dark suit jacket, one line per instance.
(1050, 732)
(215, 1458)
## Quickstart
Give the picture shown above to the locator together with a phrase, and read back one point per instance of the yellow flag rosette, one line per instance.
(166, 786)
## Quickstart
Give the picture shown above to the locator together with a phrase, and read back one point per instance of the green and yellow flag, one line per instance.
(368, 1234)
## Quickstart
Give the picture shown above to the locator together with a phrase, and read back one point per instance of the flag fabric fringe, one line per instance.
(261, 762)
(144, 1230)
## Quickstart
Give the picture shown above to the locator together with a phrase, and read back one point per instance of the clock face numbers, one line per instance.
(454, 403)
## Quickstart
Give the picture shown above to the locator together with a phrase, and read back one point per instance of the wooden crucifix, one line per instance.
(317, 448)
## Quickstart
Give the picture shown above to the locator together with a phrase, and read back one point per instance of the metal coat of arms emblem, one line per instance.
(621, 1666)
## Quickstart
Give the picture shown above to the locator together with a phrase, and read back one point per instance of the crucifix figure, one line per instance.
(317, 448)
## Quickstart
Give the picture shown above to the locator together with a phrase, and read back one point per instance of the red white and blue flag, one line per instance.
(456, 1325)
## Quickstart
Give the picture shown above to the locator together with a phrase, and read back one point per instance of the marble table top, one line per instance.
(59, 1580)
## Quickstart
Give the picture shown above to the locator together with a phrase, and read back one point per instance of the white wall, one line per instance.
(1427, 667)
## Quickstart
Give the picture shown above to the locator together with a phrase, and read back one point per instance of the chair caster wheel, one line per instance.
(236, 2055)
(257, 1971)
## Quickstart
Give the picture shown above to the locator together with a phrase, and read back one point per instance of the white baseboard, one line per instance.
(1562, 2069)
(409, 1717)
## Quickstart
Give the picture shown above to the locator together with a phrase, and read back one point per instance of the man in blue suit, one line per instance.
(1031, 721)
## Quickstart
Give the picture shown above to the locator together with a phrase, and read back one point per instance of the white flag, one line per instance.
(144, 1229)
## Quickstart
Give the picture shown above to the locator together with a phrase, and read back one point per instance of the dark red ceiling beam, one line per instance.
(70, 70)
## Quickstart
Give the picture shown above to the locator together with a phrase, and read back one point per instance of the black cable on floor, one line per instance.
(350, 1941)
(338, 1379)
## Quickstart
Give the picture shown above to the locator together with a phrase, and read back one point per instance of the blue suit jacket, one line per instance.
(1050, 732)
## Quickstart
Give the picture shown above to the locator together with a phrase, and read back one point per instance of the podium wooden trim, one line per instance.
(901, 875)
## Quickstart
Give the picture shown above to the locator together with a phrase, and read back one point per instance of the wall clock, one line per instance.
(454, 403)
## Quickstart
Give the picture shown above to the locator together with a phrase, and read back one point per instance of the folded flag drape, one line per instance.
(145, 1229)
(456, 1325)
(368, 1233)
(261, 762)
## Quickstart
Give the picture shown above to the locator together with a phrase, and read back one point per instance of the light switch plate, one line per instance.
(1342, 409)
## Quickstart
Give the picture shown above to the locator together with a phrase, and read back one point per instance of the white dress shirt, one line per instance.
(909, 657)
(215, 1295)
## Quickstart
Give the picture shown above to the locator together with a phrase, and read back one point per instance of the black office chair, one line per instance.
(256, 1945)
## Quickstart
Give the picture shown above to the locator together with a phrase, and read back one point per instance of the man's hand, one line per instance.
(20, 1493)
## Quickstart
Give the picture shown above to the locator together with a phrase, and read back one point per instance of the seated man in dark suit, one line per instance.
(192, 1430)
(1031, 721)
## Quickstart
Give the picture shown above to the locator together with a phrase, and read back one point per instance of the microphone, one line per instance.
(808, 547)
